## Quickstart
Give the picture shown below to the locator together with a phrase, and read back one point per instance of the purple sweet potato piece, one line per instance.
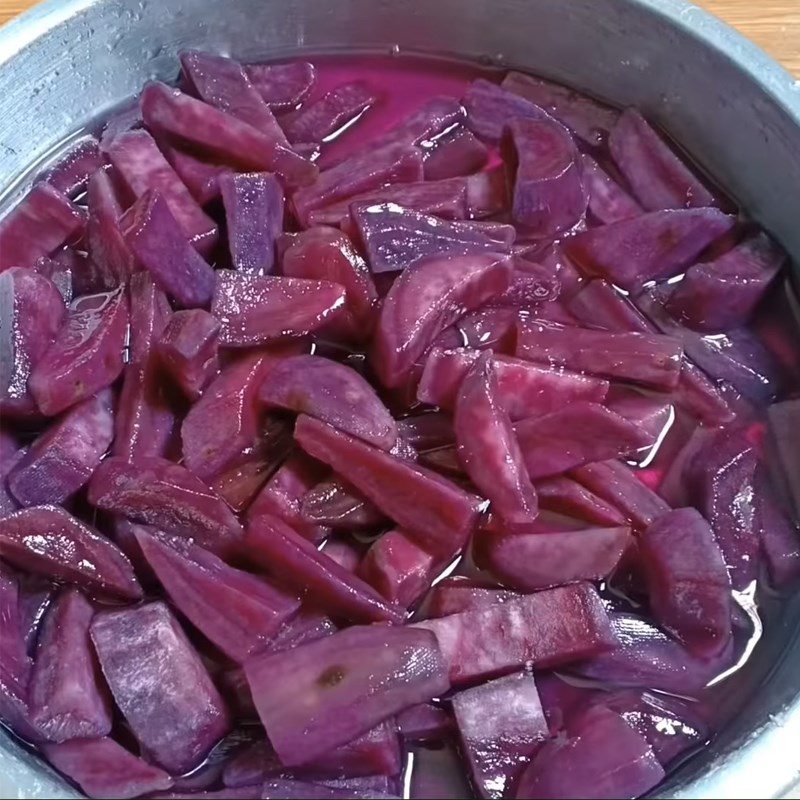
(723, 294)
(322, 695)
(32, 312)
(688, 584)
(784, 439)
(333, 393)
(36, 594)
(62, 459)
(112, 259)
(223, 135)
(154, 237)
(649, 359)
(294, 560)
(443, 198)
(142, 167)
(394, 237)
(438, 514)
(346, 553)
(255, 310)
(341, 106)
(42, 222)
(60, 274)
(501, 725)
(254, 214)
(49, 541)
(547, 629)
(200, 177)
(72, 171)
(578, 434)
(423, 723)
(103, 768)
(282, 85)
(603, 757)
(490, 108)
(336, 504)
(426, 299)
(653, 246)
(361, 172)
(398, 568)
(456, 153)
(564, 495)
(187, 349)
(608, 201)
(525, 389)
(540, 560)
(160, 684)
(167, 496)
(237, 611)
(454, 595)
(149, 313)
(549, 195)
(489, 450)
(780, 537)
(616, 483)
(658, 177)
(67, 697)
(585, 117)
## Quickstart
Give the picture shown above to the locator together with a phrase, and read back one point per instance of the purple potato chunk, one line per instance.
(322, 695)
(564, 495)
(157, 492)
(200, 177)
(48, 541)
(608, 201)
(427, 431)
(60, 274)
(160, 685)
(336, 504)
(341, 106)
(456, 153)
(68, 699)
(282, 85)
(454, 595)
(72, 172)
(423, 723)
(188, 350)
(490, 108)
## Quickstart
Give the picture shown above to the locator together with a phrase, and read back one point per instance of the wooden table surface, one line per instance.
(772, 24)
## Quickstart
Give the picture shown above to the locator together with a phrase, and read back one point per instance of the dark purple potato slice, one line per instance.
(443, 198)
(188, 350)
(200, 177)
(456, 153)
(780, 537)
(32, 312)
(48, 541)
(223, 135)
(282, 85)
(426, 299)
(153, 235)
(608, 201)
(336, 504)
(678, 485)
(63, 458)
(618, 485)
(149, 313)
(454, 595)
(524, 389)
(167, 496)
(578, 434)
(428, 431)
(784, 438)
(42, 222)
(341, 106)
(542, 560)
(71, 174)
(490, 108)
(489, 450)
(359, 173)
(288, 557)
(564, 495)
(321, 695)
(586, 118)
(255, 310)
(68, 699)
(603, 757)
(424, 723)
(549, 194)
(254, 214)
(112, 260)
(547, 629)
(237, 611)
(722, 294)
(141, 167)
(647, 657)
(654, 246)
(501, 725)
(652, 360)
(398, 568)
(103, 768)
(394, 237)
(160, 685)
(438, 514)
(333, 393)
(688, 584)
(658, 177)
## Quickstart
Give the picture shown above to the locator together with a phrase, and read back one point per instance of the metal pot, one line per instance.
(69, 61)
